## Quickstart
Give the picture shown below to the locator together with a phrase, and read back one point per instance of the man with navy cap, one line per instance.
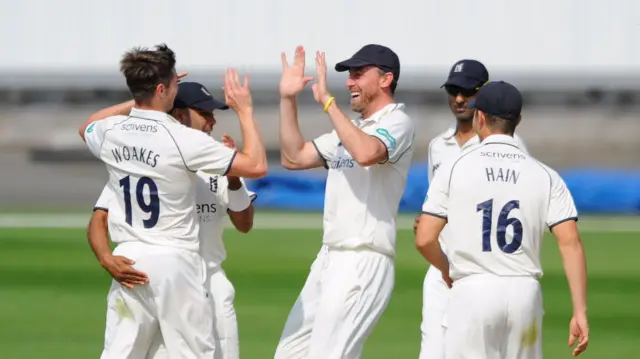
(496, 201)
(216, 198)
(465, 78)
(367, 159)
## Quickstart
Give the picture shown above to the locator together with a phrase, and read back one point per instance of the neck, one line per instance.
(376, 105)
(148, 107)
(484, 134)
(464, 132)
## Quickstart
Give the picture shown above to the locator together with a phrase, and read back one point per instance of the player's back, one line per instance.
(498, 203)
(151, 162)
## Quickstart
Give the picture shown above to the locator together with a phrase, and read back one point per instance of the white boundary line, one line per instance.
(270, 220)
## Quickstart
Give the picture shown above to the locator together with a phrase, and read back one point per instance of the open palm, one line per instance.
(293, 79)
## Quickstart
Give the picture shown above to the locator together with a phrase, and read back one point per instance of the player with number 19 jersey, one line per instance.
(152, 162)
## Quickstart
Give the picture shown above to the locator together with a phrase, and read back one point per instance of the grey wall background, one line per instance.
(577, 62)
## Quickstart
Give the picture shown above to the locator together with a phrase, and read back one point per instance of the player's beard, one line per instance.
(360, 103)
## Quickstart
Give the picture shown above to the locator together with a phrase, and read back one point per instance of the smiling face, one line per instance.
(366, 84)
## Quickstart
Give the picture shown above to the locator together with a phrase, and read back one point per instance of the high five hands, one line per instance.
(293, 79)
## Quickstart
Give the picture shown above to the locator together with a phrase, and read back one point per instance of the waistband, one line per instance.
(494, 277)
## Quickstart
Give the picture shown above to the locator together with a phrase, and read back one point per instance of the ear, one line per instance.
(161, 88)
(479, 117)
(386, 79)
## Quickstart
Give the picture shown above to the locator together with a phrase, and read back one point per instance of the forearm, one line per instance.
(242, 220)
(115, 110)
(291, 139)
(575, 266)
(253, 147)
(435, 256)
(98, 237)
(356, 141)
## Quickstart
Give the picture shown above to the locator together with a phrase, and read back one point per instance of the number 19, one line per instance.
(153, 207)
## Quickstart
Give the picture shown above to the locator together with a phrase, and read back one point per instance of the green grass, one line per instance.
(52, 294)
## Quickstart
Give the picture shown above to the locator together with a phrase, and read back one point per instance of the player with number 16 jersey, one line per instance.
(497, 202)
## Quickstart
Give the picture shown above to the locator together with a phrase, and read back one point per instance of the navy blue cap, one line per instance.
(376, 55)
(467, 74)
(195, 95)
(499, 99)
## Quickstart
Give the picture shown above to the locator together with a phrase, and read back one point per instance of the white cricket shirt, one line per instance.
(361, 203)
(212, 201)
(497, 200)
(444, 148)
(211, 209)
(152, 161)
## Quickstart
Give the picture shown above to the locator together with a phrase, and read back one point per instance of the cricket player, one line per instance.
(367, 159)
(466, 77)
(497, 201)
(216, 197)
(152, 162)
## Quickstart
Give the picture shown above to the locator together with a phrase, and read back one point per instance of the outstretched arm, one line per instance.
(295, 152)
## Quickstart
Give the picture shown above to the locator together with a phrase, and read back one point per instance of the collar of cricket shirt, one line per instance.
(504, 139)
(151, 115)
(449, 138)
(382, 112)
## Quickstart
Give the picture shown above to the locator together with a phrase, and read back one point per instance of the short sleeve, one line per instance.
(94, 136)
(201, 152)
(436, 202)
(561, 205)
(104, 200)
(252, 195)
(396, 131)
(327, 146)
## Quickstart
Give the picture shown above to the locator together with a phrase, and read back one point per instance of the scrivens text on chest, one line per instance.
(137, 154)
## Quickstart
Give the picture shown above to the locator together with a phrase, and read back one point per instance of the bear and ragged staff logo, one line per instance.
(213, 184)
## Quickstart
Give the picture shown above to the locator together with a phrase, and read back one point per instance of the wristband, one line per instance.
(238, 200)
(329, 101)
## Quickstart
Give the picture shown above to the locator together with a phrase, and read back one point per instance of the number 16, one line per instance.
(501, 231)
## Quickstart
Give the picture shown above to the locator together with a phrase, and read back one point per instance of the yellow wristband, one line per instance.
(329, 101)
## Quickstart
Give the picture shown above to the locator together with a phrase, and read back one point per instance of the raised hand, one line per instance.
(181, 76)
(237, 95)
(228, 141)
(320, 91)
(293, 79)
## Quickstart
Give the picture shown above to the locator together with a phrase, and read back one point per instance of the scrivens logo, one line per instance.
(204, 208)
(153, 128)
(206, 212)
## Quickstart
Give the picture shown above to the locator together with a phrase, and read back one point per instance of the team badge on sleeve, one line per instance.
(384, 133)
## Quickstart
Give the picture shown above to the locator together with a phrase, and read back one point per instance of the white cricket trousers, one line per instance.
(435, 298)
(224, 317)
(493, 317)
(340, 303)
(174, 302)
